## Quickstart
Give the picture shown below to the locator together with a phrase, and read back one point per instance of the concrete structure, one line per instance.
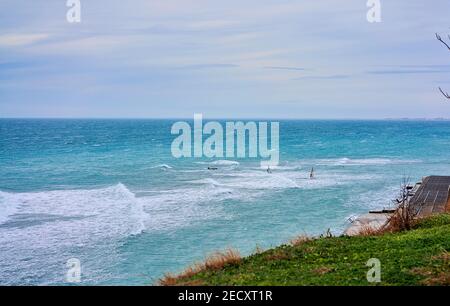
(370, 220)
(432, 197)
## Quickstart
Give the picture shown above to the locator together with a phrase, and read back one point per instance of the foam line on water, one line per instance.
(222, 162)
(162, 166)
(360, 161)
(115, 204)
(375, 199)
(261, 180)
(171, 209)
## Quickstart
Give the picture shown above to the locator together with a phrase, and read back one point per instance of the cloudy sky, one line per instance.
(226, 59)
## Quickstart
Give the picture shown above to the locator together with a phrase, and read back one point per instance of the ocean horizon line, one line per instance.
(226, 118)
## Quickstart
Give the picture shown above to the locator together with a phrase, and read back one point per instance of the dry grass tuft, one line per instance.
(422, 271)
(299, 240)
(399, 221)
(168, 280)
(216, 261)
(441, 279)
(322, 270)
(435, 278)
(444, 256)
(220, 259)
(370, 231)
(278, 256)
(432, 278)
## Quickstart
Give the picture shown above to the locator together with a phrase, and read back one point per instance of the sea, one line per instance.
(109, 193)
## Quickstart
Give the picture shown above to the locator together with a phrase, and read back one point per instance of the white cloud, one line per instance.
(212, 24)
(14, 40)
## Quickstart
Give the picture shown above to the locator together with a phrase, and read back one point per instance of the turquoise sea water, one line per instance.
(109, 192)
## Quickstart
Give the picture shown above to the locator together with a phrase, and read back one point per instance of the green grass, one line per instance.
(416, 257)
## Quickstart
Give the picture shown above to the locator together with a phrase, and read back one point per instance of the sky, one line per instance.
(225, 59)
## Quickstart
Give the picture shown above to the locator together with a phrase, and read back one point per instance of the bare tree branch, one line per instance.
(442, 41)
(446, 94)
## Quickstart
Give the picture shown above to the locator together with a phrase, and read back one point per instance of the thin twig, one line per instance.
(442, 41)
(446, 94)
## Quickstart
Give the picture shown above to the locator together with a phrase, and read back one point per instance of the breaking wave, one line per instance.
(114, 209)
(162, 166)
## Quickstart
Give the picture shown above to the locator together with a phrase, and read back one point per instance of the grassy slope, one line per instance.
(419, 256)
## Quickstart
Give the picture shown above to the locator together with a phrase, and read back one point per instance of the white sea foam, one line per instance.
(45, 228)
(40, 230)
(364, 161)
(345, 161)
(88, 217)
(225, 163)
(49, 227)
(7, 207)
(221, 162)
(375, 199)
(170, 209)
(258, 180)
(279, 179)
(207, 181)
(115, 207)
(162, 166)
(294, 166)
